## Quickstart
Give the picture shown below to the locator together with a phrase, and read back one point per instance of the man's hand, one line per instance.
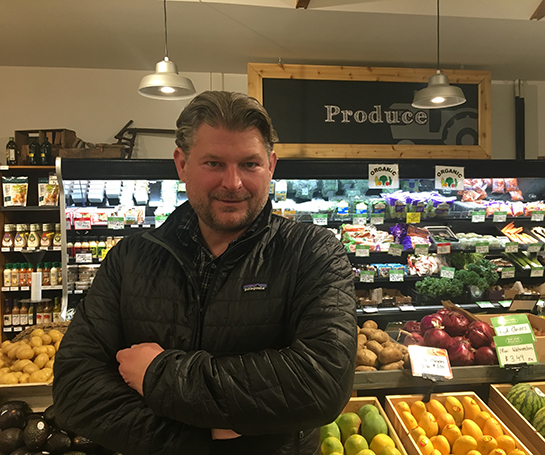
(224, 434)
(134, 361)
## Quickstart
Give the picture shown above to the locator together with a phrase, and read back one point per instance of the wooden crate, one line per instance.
(515, 420)
(356, 403)
(38, 396)
(403, 432)
(99, 151)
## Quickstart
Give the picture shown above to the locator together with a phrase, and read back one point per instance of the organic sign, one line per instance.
(449, 178)
(383, 176)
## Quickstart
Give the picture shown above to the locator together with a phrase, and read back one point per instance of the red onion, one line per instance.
(485, 355)
(460, 354)
(455, 323)
(480, 334)
(437, 338)
(442, 312)
(454, 339)
(412, 326)
(413, 338)
(430, 321)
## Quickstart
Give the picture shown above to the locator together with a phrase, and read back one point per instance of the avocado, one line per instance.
(83, 444)
(74, 452)
(15, 404)
(49, 415)
(11, 439)
(57, 443)
(22, 451)
(13, 418)
(36, 433)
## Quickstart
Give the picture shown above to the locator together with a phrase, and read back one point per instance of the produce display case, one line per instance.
(518, 424)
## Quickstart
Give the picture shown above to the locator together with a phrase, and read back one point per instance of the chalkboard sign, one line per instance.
(353, 112)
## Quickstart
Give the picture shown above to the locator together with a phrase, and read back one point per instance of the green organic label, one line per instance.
(320, 219)
(362, 251)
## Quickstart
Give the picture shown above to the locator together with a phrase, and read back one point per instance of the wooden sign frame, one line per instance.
(259, 71)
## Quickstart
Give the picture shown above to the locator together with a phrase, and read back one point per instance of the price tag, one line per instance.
(5, 288)
(146, 226)
(499, 217)
(396, 275)
(512, 324)
(84, 258)
(413, 217)
(485, 304)
(534, 247)
(362, 251)
(14, 288)
(511, 247)
(78, 291)
(82, 224)
(447, 272)
(536, 272)
(359, 220)
(537, 215)
(508, 272)
(5, 249)
(370, 309)
(514, 349)
(395, 250)
(482, 247)
(406, 307)
(25, 288)
(505, 303)
(429, 361)
(160, 219)
(478, 216)
(17, 248)
(116, 222)
(367, 276)
(443, 248)
(31, 248)
(377, 218)
(320, 219)
(421, 250)
(17, 328)
(7, 329)
(135, 226)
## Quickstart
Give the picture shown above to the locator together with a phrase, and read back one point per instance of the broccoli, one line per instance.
(439, 287)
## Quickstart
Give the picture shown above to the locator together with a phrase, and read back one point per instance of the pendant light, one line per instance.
(166, 83)
(438, 94)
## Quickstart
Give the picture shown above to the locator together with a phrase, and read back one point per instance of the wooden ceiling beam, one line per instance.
(539, 13)
(302, 4)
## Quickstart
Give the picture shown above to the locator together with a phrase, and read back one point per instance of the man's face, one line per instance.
(227, 176)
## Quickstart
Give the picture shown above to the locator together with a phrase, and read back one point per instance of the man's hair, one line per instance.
(229, 110)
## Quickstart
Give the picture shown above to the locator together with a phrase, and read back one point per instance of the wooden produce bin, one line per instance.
(38, 396)
(498, 402)
(403, 432)
(356, 403)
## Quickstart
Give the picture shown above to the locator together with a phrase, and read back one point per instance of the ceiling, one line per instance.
(224, 35)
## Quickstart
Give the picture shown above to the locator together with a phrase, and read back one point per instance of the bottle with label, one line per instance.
(21, 236)
(40, 269)
(15, 274)
(59, 272)
(57, 239)
(40, 312)
(12, 153)
(54, 274)
(70, 249)
(47, 235)
(29, 270)
(9, 235)
(46, 274)
(77, 246)
(93, 247)
(15, 320)
(34, 236)
(7, 275)
(101, 246)
(23, 314)
(48, 312)
(22, 274)
(7, 313)
(45, 152)
(31, 314)
(85, 245)
(33, 151)
(57, 310)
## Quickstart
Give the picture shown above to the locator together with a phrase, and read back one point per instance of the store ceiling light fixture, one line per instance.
(166, 83)
(439, 93)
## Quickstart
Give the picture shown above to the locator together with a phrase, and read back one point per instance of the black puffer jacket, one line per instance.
(270, 354)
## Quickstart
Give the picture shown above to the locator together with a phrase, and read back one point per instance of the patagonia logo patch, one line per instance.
(255, 287)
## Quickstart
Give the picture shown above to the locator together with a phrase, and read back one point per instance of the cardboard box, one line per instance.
(403, 432)
(356, 403)
(535, 321)
(515, 420)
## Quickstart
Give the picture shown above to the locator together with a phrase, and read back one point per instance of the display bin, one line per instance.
(37, 396)
(403, 432)
(498, 402)
(356, 403)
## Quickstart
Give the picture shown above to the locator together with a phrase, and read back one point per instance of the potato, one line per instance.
(55, 335)
(5, 343)
(36, 341)
(362, 340)
(365, 368)
(50, 351)
(389, 355)
(393, 366)
(370, 324)
(367, 331)
(18, 374)
(49, 363)
(365, 357)
(9, 378)
(37, 333)
(374, 346)
(6, 346)
(39, 376)
(46, 339)
(380, 336)
(6, 359)
(24, 353)
(393, 344)
(57, 345)
(23, 379)
(48, 371)
(12, 353)
(30, 368)
(41, 360)
(40, 350)
(20, 364)
(5, 370)
(406, 360)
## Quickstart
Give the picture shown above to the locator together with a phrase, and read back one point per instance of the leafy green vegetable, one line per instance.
(461, 260)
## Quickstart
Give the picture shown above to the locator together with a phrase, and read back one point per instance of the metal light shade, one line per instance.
(438, 94)
(166, 83)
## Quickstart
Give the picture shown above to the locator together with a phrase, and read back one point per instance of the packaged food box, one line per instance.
(403, 432)
(356, 403)
(498, 402)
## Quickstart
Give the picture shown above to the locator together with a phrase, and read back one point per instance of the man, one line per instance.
(227, 329)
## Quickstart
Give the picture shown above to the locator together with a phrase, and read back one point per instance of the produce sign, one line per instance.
(426, 361)
(515, 340)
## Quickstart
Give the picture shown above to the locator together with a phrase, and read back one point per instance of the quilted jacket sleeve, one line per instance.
(90, 396)
(304, 385)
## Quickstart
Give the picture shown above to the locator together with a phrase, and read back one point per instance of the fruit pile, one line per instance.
(25, 432)
(377, 351)
(454, 427)
(467, 343)
(29, 360)
(529, 400)
(358, 433)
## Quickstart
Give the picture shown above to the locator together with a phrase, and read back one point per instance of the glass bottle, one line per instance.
(21, 237)
(15, 274)
(9, 235)
(34, 236)
(40, 269)
(12, 153)
(46, 274)
(70, 249)
(85, 245)
(57, 239)
(47, 312)
(93, 247)
(7, 313)
(40, 312)
(7, 275)
(59, 272)
(33, 151)
(32, 314)
(22, 274)
(15, 320)
(57, 310)
(45, 152)
(77, 246)
(54, 274)
(29, 270)
(23, 314)
(101, 246)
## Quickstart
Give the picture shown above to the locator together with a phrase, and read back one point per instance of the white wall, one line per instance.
(96, 104)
